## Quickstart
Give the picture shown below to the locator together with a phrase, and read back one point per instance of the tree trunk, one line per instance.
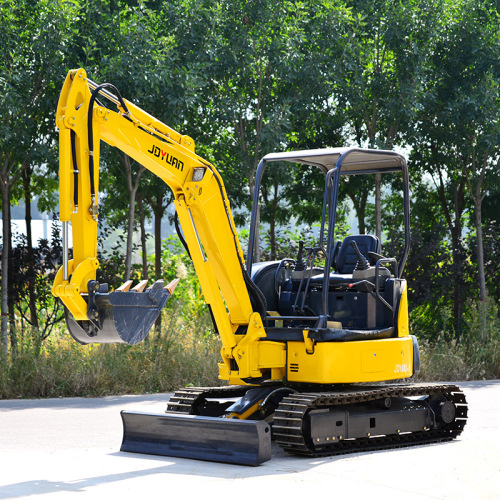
(480, 269)
(274, 245)
(256, 247)
(12, 305)
(458, 258)
(454, 222)
(6, 180)
(477, 197)
(371, 127)
(29, 244)
(158, 213)
(272, 238)
(458, 285)
(130, 233)
(256, 242)
(359, 204)
(480, 251)
(132, 189)
(272, 205)
(140, 204)
(5, 264)
(12, 326)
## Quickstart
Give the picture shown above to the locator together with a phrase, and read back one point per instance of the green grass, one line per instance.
(476, 357)
(465, 361)
(180, 355)
(63, 368)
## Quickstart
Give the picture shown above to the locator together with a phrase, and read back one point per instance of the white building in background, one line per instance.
(41, 223)
(40, 229)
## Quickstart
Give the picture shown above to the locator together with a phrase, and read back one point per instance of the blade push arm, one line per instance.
(199, 196)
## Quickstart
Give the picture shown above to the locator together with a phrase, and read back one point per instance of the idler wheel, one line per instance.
(447, 411)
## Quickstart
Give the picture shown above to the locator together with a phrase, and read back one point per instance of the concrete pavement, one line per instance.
(69, 448)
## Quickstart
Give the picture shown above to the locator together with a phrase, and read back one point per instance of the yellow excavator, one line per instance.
(315, 347)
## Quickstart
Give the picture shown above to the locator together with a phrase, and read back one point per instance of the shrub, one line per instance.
(476, 357)
(180, 354)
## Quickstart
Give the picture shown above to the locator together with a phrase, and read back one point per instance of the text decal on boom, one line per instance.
(172, 160)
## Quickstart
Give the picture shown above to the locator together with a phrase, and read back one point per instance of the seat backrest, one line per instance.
(346, 258)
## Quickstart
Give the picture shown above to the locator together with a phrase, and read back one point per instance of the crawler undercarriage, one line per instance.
(320, 423)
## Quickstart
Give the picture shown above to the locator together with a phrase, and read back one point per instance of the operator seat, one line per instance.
(345, 260)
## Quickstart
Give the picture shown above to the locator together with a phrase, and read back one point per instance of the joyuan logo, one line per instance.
(163, 155)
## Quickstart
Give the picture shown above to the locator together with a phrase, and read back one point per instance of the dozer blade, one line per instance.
(121, 316)
(234, 441)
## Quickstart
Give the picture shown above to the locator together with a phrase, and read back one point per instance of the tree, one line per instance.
(34, 36)
(131, 55)
(158, 72)
(458, 130)
(381, 78)
(36, 271)
(262, 78)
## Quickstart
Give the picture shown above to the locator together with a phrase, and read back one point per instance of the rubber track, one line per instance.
(186, 400)
(290, 414)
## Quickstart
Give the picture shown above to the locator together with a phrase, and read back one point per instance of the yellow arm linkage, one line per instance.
(200, 201)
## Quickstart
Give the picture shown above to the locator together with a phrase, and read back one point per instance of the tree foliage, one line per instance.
(248, 78)
(456, 136)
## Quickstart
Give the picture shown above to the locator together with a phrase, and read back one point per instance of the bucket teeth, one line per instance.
(171, 286)
(125, 287)
(141, 286)
(157, 285)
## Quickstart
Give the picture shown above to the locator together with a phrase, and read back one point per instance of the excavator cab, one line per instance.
(355, 293)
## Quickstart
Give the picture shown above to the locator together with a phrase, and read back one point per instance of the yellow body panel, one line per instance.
(402, 319)
(351, 362)
(356, 361)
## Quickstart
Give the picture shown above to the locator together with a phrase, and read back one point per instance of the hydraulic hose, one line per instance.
(75, 170)
(90, 128)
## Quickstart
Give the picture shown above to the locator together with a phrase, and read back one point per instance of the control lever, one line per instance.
(300, 263)
(362, 286)
(362, 264)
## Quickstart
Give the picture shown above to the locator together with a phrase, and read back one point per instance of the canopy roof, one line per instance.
(352, 160)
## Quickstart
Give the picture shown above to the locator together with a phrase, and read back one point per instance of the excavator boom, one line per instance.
(201, 205)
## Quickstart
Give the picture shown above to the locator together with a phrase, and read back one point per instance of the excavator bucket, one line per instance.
(234, 441)
(121, 316)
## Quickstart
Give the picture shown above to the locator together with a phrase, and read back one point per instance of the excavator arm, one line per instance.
(93, 311)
